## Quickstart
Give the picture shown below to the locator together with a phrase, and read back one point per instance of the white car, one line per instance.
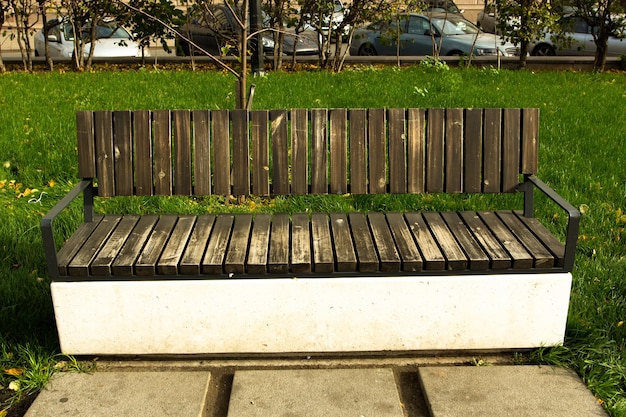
(113, 41)
(577, 40)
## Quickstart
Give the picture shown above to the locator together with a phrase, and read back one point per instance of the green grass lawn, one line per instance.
(582, 156)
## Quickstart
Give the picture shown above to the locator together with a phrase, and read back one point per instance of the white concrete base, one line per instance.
(312, 315)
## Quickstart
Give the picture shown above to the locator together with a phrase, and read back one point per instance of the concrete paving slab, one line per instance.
(123, 394)
(498, 391)
(315, 393)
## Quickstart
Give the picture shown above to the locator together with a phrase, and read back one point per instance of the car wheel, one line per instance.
(367, 49)
(543, 50)
(455, 53)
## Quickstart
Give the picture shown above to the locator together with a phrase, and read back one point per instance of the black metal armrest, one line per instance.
(47, 232)
(573, 221)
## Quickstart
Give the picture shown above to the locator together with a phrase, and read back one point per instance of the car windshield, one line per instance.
(454, 26)
(107, 30)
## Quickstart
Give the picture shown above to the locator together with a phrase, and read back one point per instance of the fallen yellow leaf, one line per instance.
(14, 371)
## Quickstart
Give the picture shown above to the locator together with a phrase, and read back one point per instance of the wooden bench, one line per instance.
(309, 282)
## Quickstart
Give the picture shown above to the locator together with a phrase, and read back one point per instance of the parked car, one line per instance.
(486, 19)
(215, 32)
(577, 40)
(113, 40)
(421, 34)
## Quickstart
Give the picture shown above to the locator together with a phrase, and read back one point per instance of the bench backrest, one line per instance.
(307, 151)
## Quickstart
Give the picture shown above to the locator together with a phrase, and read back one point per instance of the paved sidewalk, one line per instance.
(375, 391)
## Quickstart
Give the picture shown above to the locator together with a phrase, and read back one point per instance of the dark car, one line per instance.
(215, 31)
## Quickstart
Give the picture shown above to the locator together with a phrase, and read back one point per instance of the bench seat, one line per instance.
(116, 247)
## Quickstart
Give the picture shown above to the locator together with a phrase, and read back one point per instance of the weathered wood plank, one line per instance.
(202, 152)
(367, 257)
(433, 259)
(319, 151)
(511, 140)
(492, 148)
(556, 248)
(300, 244)
(358, 151)
(162, 153)
(123, 151)
(86, 144)
(542, 258)
(299, 151)
(280, 151)
(415, 150)
(499, 257)
(435, 150)
(235, 262)
(530, 141)
(80, 263)
(259, 244)
(103, 261)
(342, 241)
(142, 126)
(182, 152)
(409, 254)
(221, 151)
(241, 152)
(123, 265)
(198, 241)
(397, 151)
(259, 120)
(213, 260)
(454, 151)
(105, 154)
(174, 249)
(455, 257)
(278, 259)
(338, 151)
(323, 257)
(477, 259)
(377, 151)
(389, 257)
(519, 255)
(473, 151)
(75, 243)
(151, 252)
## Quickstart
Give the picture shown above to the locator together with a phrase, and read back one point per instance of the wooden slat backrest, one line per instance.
(300, 151)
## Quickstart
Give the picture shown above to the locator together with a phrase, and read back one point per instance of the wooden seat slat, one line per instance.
(473, 151)
(477, 259)
(259, 244)
(101, 264)
(342, 242)
(259, 121)
(278, 259)
(397, 151)
(358, 151)
(431, 254)
(542, 258)
(238, 246)
(301, 262)
(499, 258)
(299, 151)
(213, 260)
(142, 145)
(123, 147)
(74, 243)
(79, 265)
(202, 152)
(124, 263)
(323, 256)
(367, 257)
(338, 151)
(520, 257)
(407, 249)
(182, 151)
(162, 152)
(555, 247)
(454, 150)
(455, 257)
(177, 242)
(385, 246)
(149, 256)
(280, 151)
(198, 241)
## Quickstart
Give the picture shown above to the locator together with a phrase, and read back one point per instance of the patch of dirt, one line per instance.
(19, 408)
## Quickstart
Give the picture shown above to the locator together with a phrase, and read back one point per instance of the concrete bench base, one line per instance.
(363, 314)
